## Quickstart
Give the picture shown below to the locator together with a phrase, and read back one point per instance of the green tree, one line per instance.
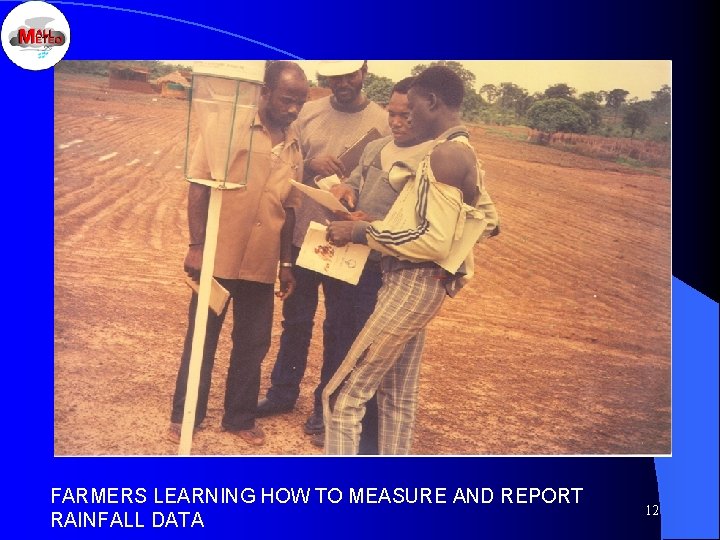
(636, 118)
(553, 115)
(615, 98)
(590, 99)
(512, 97)
(524, 104)
(590, 103)
(662, 100)
(490, 92)
(559, 91)
(378, 88)
(472, 105)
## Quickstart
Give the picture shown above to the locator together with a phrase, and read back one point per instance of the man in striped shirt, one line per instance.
(424, 257)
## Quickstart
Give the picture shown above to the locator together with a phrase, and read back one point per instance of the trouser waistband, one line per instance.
(391, 264)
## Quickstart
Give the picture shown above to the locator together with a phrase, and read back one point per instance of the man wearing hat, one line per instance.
(327, 127)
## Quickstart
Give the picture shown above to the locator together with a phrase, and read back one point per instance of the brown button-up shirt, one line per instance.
(248, 244)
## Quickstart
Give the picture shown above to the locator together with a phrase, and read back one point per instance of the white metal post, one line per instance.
(201, 317)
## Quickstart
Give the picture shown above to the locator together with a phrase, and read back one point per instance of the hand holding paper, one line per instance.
(345, 194)
(340, 262)
(339, 233)
(328, 182)
(323, 197)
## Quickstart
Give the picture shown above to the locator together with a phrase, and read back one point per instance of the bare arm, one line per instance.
(285, 274)
(455, 165)
(286, 235)
(325, 166)
(198, 201)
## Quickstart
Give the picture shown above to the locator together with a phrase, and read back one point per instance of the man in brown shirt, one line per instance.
(255, 232)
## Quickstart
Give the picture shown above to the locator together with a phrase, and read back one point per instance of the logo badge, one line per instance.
(35, 35)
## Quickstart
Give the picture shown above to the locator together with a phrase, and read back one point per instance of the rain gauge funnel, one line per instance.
(223, 104)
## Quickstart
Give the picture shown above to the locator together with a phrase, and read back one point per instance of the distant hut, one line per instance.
(130, 78)
(174, 84)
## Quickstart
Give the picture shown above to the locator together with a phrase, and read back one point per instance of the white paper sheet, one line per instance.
(344, 263)
(325, 198)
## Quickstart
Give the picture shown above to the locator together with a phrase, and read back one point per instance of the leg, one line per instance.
(252, 325)
(212, 334)
(338, 330)
(369, 445)
(365, 300)
(397, 399)
(408, 300)
(298, 314)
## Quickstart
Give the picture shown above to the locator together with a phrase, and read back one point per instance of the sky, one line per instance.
(639, 77)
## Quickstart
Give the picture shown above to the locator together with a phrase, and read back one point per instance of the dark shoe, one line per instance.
(173, 432)
(254, 436)
(265, 407)
(314, 424)
(318, 440)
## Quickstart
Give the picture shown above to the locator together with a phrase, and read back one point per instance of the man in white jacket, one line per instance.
(426, 240)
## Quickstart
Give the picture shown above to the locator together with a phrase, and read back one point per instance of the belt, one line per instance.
(391, 264)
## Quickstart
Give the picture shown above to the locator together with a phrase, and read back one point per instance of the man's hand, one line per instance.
(287, 283)
(326, 166)
(339, 233)
(358, 215)
(344, 194)
(193, 262)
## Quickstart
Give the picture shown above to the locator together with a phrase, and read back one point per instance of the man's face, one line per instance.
(420, 115)
(347, 88)
(398, 119)
(285, 101)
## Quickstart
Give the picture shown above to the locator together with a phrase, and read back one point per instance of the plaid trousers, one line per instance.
(385, 358)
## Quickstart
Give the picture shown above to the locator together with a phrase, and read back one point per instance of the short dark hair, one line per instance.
(403, 86)
(275, 69)
(444, 83)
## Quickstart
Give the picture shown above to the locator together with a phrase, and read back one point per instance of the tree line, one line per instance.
(557, 109)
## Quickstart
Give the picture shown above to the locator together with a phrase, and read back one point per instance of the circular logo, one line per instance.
(35, 35)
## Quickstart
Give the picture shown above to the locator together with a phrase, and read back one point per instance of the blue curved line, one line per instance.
(175, 19)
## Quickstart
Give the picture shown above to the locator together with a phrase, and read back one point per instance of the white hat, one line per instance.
(333, 68)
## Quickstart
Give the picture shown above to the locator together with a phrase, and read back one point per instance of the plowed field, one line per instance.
(560, 345)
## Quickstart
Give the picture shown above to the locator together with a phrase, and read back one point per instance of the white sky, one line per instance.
(639, 77)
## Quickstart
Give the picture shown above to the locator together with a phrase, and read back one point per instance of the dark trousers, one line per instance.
(298, 315)
(347, 308)
(252, 306)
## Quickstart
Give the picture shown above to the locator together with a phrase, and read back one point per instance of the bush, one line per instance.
(553, 115)
(636, 118)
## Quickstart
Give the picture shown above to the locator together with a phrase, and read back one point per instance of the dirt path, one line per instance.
(560, 345)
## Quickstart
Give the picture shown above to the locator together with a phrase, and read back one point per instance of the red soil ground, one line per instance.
(560, 345)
